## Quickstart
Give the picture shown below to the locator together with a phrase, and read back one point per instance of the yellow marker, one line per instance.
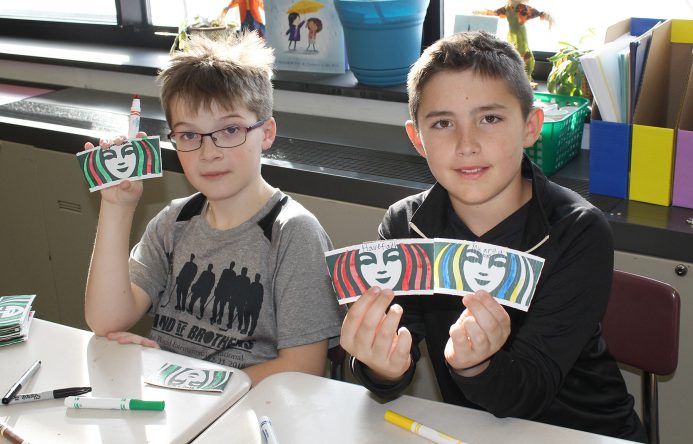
(420, 429)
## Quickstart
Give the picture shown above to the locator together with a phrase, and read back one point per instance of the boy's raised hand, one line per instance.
(126, 192)
(370, 333)
(478, 334)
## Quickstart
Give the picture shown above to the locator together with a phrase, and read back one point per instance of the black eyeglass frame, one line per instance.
(172, 134)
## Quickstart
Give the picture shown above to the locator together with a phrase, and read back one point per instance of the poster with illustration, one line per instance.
(428, 266)
(306, 36)
(184, 378)
(463, 267)
(136, 159)
(404, 266)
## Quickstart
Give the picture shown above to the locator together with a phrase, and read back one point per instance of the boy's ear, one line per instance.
(415, 138)
(269, 133)
(535, 120)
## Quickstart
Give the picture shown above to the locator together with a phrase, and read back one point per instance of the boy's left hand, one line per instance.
(478, 334)
(125, 337)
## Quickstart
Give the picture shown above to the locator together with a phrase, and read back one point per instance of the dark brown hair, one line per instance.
(479, 51)
(317, 21)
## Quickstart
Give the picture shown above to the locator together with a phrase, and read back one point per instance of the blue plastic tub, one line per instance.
(383, 38)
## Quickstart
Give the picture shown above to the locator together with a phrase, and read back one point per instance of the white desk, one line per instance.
(71, 357)
(309, 409)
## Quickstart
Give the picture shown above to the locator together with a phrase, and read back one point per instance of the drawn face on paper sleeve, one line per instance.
(120, 160)
(189, 378)
(484, 271)
(381, 267)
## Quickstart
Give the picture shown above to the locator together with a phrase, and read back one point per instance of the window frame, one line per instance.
(134, 29)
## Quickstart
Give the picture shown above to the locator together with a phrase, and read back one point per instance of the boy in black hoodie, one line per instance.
(472, 113)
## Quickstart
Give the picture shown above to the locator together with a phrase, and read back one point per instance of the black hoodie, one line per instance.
(554, 367)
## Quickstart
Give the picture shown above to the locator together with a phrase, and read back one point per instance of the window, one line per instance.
(143, 23)
(111, 22)
(175, 12)
(78, 11)
(153, 23)
(572, 19)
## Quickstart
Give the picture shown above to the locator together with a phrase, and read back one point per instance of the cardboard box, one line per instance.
(609, 158)
(683, 165)
(658, 111)
(610, 142)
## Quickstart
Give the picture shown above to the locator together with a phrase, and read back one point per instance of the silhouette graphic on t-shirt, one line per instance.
(169, 260)
(185, 277)
(222, 293)
(201, 290)
(253, 303)
(238, 296)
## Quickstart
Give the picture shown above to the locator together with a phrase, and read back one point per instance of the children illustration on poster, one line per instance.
(428, 266)
(306, 36)
(314, 26)
(294, 31)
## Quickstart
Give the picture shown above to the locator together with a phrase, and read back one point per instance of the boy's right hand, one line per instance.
(127, 192)
(370, 334)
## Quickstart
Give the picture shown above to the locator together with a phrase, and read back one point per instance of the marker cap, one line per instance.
(138, 404)
(71, 391)
(398, 420)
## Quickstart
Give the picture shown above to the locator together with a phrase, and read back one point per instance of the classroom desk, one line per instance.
(71, 357)
(310, 409)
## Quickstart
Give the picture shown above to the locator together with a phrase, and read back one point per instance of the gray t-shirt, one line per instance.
(236, 297)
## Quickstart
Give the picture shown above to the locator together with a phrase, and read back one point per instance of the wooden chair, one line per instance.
(641, 329)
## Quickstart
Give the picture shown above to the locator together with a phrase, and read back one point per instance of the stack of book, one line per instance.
(608, 72)
(15, 318)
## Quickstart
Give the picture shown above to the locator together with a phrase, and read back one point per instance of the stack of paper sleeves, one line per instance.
(15, 318)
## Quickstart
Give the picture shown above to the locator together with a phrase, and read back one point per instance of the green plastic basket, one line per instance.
(560, 140)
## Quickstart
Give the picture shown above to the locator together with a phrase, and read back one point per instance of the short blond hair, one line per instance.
(232, 72)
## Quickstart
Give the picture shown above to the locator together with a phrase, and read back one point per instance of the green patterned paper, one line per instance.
(14, 311)
(20, 336)
(426, 267)
(175, 376)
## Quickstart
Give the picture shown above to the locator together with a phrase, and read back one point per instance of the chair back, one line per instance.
(641, 329)
(641, 323)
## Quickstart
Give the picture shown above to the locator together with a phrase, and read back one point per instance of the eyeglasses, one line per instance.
(228, 137)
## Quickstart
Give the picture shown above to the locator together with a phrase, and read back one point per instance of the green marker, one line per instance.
(89, 402)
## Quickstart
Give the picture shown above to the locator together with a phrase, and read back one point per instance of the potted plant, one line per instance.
(216, 27)
(566, 76)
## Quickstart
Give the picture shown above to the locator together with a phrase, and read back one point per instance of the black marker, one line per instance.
(51, 394)
(18, 385)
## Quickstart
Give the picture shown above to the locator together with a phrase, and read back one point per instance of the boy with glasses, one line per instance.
(217, 97)
(471, 111)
